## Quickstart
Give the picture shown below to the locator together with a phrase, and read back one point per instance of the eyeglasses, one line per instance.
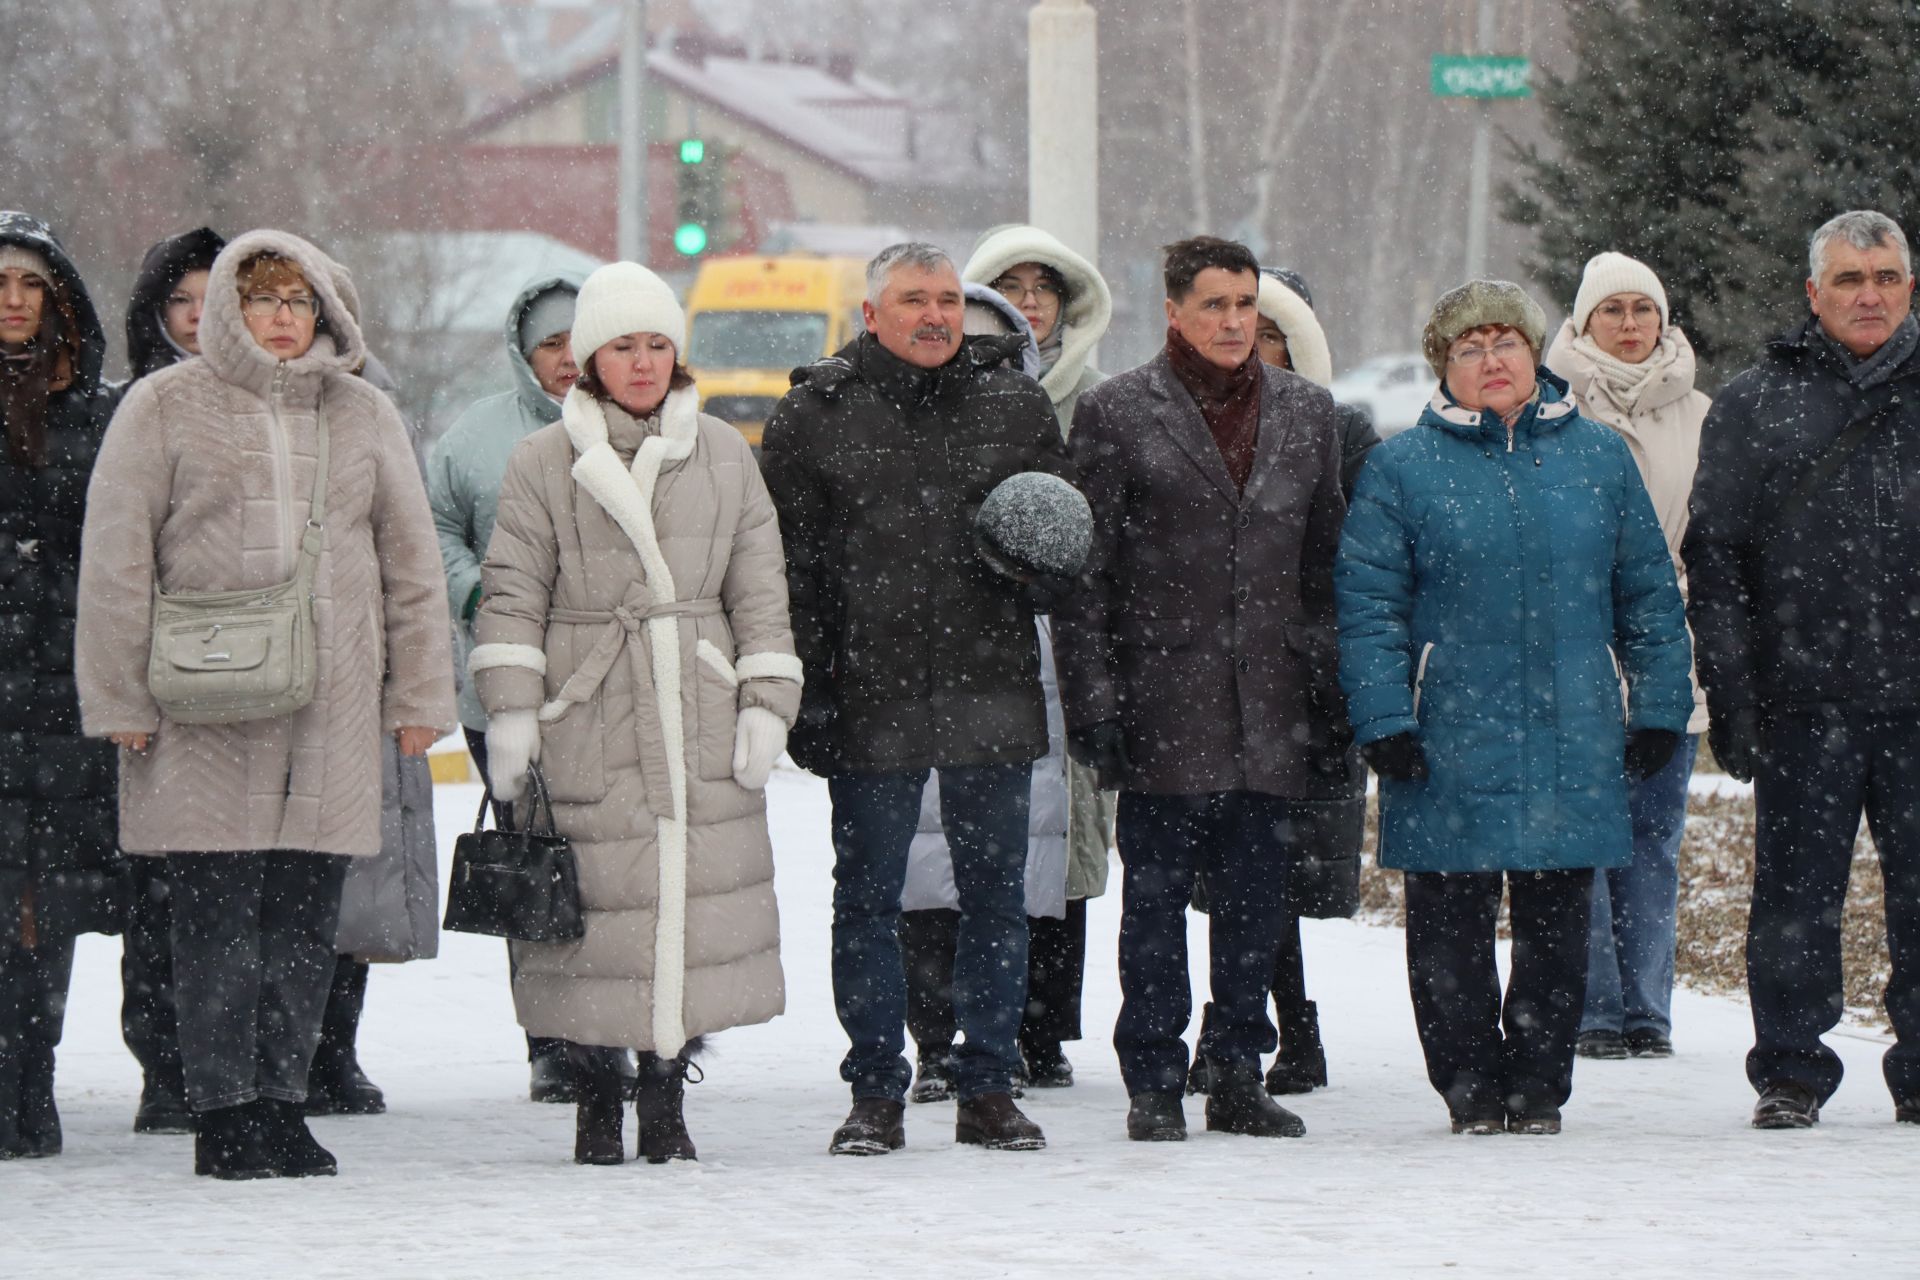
(1506, 349)
(264, 306)
(1013, 290)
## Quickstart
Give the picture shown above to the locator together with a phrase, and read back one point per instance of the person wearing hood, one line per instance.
(1630, 368)
(1502, 574)
(1067, 307)
(163, 328)
(204, 483)
(464, 471)
(61, 873)
(1803, 554)
(633, 640)
(1323, 881)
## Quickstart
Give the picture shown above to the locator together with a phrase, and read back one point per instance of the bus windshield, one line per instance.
(756, 339)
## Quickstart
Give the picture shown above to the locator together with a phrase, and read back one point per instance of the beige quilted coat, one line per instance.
(635, 592)
(204, 480)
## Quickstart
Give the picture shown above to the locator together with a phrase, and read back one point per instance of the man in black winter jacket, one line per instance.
(918, 656)
(1803, 554)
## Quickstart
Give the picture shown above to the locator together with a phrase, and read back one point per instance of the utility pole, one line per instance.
(633, 133)
(1063, 124)
(1482, 163)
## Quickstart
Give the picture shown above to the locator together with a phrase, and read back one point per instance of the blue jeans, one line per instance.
(983, 809)
(1630, 949)
(1246, 843)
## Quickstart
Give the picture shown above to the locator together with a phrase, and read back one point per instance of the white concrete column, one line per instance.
(631, 231)
(1063, 124)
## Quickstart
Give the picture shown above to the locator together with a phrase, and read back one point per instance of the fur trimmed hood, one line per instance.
(1089, 306)
(1306, 340)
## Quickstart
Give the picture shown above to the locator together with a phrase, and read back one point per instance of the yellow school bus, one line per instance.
(752, 321)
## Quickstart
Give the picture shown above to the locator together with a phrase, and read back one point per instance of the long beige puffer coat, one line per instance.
(204, 482)
(635, 592)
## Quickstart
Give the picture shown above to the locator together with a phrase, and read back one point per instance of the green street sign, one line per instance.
(1461, 76)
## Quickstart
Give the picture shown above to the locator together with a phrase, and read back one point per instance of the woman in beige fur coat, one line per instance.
(633, 641)
(204, 484)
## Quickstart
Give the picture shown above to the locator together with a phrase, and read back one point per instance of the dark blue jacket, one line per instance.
(1492, 598)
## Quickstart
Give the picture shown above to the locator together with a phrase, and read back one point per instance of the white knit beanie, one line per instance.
(1610, 273)
(622, 298)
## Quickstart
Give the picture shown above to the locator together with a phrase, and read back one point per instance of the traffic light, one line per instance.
(697, 187)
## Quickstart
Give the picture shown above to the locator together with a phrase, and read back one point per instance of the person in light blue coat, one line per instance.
(1513, 649)
(464, 472)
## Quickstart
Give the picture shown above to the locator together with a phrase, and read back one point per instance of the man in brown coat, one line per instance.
(1199, 671)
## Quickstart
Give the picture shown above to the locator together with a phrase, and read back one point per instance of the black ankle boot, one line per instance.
(599, 1105)
(39, 1118)
(660, 1105)
(1237, 1102)
(336, 1086)
(232, 1143)
(1301, 1066)
(295, 1151)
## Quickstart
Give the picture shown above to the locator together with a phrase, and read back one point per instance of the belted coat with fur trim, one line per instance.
(635, 593)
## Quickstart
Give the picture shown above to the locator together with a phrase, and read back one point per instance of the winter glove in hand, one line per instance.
(1648, 751)
(759, 736)
(1735, 739)
(1048, 591)
(513, 744)
(1397, 759)
(813, 742)
(1102, 747)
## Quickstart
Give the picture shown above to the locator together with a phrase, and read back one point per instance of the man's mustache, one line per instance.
(933, 333)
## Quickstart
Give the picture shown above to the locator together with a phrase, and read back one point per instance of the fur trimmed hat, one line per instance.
(1610, 273)
(622, 298)
(1474, 305)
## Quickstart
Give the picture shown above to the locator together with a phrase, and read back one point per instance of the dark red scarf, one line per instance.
(1229, 400)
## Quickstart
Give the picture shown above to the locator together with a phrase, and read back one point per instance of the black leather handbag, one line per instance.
(520, 884)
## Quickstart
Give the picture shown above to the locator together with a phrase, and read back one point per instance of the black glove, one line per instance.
(1102, 747)
(1397, 759)
(1048, 591)
(1735, 739)
(1648, 751)
(814, 739)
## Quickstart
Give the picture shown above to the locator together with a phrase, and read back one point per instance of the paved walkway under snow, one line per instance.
(1656, 1174)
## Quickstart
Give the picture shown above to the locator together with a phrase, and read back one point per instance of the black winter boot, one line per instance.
(872, 1128)
(992, 1121)
(39, 1118)
(231, 1143)
(12, 1061)
(1237, 1102)
(599, 1105)
(336, 1086)
(1156, 1117)
(660, 1105)
(933, 1078)
(295, 1151)
(163, 1104)
(1301, 1065)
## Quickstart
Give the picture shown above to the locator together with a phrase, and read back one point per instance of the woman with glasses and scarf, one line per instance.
(60, 871)
(1502, 583)
(204, 484)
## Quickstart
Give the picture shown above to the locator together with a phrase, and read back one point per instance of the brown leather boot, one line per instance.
(873, 1128)
(992, 1121)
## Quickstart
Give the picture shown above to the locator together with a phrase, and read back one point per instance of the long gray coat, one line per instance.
(1205, 624)
(636, 595)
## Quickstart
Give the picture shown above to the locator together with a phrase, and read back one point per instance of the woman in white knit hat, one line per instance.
(1631, 368)
(633, 641)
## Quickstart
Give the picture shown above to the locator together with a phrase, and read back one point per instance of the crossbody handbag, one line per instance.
(520, 884)
(221, 657)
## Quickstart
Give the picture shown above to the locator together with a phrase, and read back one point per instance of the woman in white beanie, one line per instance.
(633, 641)
(1631, 368)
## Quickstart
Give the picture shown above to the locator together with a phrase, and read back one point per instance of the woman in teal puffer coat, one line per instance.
(1502, 582)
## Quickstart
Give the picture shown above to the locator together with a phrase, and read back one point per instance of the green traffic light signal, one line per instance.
(692, 150)
(690, 238)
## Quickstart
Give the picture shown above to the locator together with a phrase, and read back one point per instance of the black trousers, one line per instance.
(537, 1046)
(147, 1020)
(1457, 1005)
(253, 961)
(1056, 973)
(1822, 768)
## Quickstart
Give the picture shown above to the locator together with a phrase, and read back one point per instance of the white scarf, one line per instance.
(1625, 383)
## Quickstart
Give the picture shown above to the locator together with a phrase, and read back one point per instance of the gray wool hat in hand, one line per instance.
(1475, 304)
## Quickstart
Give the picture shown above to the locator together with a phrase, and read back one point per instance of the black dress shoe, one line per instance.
(1479, 1121)
(1600, 1044)
(1786, 1104)
(1156, 1117)
(872, 1128)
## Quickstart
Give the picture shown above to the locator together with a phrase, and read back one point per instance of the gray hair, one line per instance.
(913, 253)
(1861, 228)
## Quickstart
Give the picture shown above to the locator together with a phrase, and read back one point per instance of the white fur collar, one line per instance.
(627, 494)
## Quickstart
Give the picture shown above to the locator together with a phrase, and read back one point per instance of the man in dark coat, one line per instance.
(1199, 671)
(918, 656)
(60, 864)
(1803, 555)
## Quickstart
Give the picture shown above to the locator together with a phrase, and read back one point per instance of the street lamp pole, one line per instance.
(632, 204)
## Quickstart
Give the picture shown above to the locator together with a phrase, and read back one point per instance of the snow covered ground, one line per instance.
(1656, 1174)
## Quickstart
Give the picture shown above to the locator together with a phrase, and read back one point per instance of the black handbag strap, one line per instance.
(1831, 459)
(537, 783)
